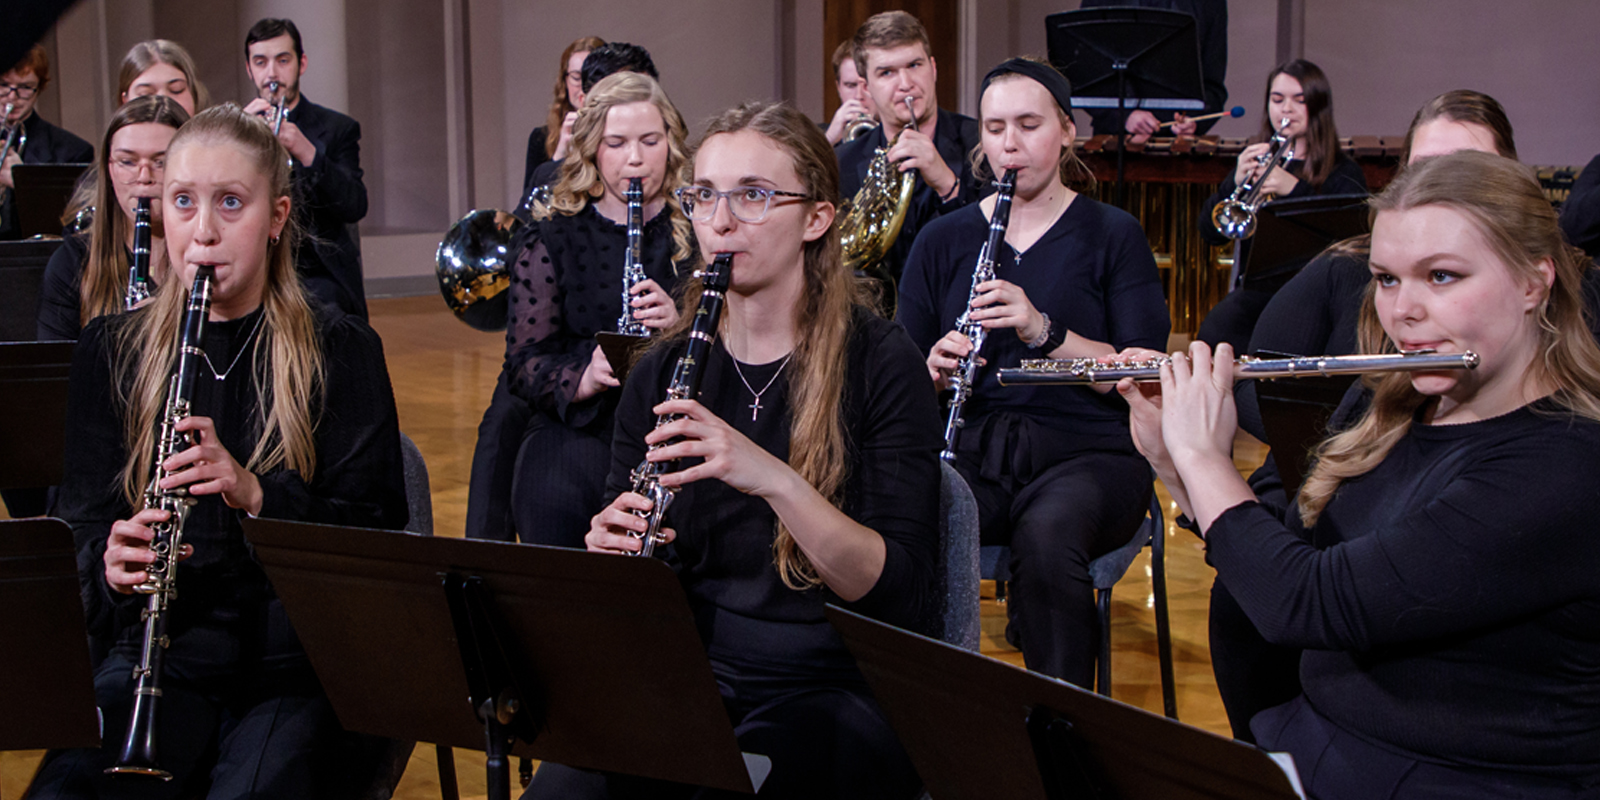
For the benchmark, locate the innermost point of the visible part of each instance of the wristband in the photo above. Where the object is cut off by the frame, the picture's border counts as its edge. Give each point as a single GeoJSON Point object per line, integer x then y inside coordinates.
{"type": "Point", "coordinates": [1044, 334]}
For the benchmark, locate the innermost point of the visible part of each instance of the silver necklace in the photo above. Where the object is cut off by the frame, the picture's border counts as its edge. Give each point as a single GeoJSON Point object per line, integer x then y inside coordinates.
{"type": "Point", "coordinates": [755, 408]}
{"type": "Point", "coordinates": [222, 376]}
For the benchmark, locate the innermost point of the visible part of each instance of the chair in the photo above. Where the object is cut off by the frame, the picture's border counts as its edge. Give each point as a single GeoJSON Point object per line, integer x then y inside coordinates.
{"type": "Point", "coordinates": [419, 501]}
{"type": "Point", "coordinates": [953, 615]}
{"type": "Point", "coordinates": [1105, 571]}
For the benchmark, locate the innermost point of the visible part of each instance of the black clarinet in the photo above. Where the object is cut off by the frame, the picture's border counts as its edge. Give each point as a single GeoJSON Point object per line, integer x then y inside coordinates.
{"type": "Point", "coordinates": [139, 269]}
{"type": "Point", "coordinates": [632, 263]}
{"type": "Point", "coordinates": [685, 385]}
{"type": "Point", "coordinates": [966, 372]}
{"type": "Point", "coordinates": [138, 754]}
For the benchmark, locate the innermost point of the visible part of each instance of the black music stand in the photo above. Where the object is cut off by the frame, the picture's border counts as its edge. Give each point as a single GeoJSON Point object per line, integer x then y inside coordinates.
{"type": "Point", "coordinates": [42, 194]}
{"type": "Point", "coordinates": [1291, 232]}
{"type": "Point", "coordinates": [21, 278]}
{"type": "Point", "coordinates": [1295, 415]}
{"type": "Point", "coordinates": [588, 660]}
{"type": "Point", "coordinates": [33, 381]}
{"type": "Point", "coordinates": [980, 728]}
{"type": "Point", "coordinates": [1120, 54]}
{"type": "Point", "coordinates": [48, 695]}
{"type": "Point", "coordinates": [621, 350]}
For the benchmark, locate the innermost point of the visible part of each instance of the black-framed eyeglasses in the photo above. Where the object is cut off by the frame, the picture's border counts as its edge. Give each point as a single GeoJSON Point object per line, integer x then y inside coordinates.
{"type": "Point", "coordinates": [22, 92]}
{"type": "Point", "coordinates": [746, 203]}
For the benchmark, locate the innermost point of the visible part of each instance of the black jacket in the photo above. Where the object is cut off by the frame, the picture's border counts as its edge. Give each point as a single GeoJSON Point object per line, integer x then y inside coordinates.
{"type": "Point", "coordinates": [331, 199]}
{"type": "Point", "coordinates": [955, 136]}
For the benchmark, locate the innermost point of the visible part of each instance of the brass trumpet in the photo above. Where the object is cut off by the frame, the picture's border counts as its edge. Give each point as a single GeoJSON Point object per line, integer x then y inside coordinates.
{"type": "Point", "coordinates": [859, 127]}
{"type": "Point", "coordinates": [1235, 217]}
{"type": "Point", "coordinates": [1090, 371]}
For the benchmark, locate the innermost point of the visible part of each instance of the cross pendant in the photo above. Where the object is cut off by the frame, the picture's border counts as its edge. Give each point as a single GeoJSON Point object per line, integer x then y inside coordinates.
{"type": "Point", "coordinates": [755, 408]}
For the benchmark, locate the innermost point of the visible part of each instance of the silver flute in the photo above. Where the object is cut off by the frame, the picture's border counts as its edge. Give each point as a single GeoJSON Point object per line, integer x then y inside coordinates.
{"type": "Point", "coordinates": [138, 289]}
{"type": "Point", "coordinates": [1089, 371]}
{"type": "Point", "coordinates": [138, 753]}
{"type": "Point", "coordinates": [966, 371]}
{"type": "Point", "coordinates": [632, 263]}
{"type": "Point", "coordinates": [685, 386]}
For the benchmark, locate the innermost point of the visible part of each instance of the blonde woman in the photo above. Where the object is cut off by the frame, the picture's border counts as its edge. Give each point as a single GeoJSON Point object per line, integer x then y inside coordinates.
{"type": "Point", "coordinates": [292, 418]}
{"type": "Point", "coordinates": [1439, 565]}
{"type": "Point", "coordinates": [567, 286]}
{"type": "Point", "coordinates": [161, 67]}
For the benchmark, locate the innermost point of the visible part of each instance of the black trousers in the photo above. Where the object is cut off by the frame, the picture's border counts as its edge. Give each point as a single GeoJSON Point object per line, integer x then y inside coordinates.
{"type": "Point", "coordinates": [1058, 511]}
{"type": "Point", "coordinates": [1252, 673]}
{"type": "Point", "coordinates": [225, 739]}
{"type": "Point", "coordinates": [494, 465]}
{"type": "Point", "coordinates": [1336, 764]}
{"type": "Point", "coordinates": [560, 481]}
{"type": "Point", "coordinates": [825, 741]}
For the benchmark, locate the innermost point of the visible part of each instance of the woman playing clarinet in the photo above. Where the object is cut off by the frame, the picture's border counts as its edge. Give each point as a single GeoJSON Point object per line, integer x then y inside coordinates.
{"type": "Point", "coordinates": [1053, 469]}
{"type": "Point", "coordinates": [805, 475]}
{"type": "Point", "coordinates": [290, 416]}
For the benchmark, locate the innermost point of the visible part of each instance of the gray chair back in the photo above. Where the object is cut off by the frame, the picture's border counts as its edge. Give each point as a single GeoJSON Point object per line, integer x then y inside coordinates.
{"type": "Point", "coordinates": [953, 616]}
{"type": "Point", "coordinates": [418, 498]}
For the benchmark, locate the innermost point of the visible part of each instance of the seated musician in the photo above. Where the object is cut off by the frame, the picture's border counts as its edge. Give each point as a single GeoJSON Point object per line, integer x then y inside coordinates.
{"type": "Point", "coordinates": [87, 276]}
{"type": "Point", "coordinates": [1299, 93]}
{"type": "Point", "coordinates": [855, 102]}
{"type": "Point", "coordinates": [1053, 469]}
{"type": "Point", "coordinates": [604, 60]}
{"type": "Point", "coordinates": [894, 57]}
{"type": "Point", "coordinates": [36, 141]}
{"type": "Point", "coordinates": [1434, 565]}
{"type": "Point", "coordinates": [292, 417]}
{"type": "Point", "coordinates": [808, 477]}
{"type": "Point", "coordinates": [1316, 313]}
{"type": "Point", "coordinates": [163, 67]}
{"type": "Point", "coordinates": [549, 142]}
{"type": "Point", "coordinates": [567, 285]}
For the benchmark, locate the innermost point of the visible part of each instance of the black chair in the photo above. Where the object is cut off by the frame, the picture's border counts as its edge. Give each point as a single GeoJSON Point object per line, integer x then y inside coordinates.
{"type": "Point", "coordinates": [21, 274]}
{"type": "Point", "coordinates": [1105, 571]}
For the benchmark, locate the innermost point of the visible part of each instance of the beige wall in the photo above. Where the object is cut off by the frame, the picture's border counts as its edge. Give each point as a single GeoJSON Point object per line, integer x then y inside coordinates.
{"type": "Point", "coordinates": [447, 90]}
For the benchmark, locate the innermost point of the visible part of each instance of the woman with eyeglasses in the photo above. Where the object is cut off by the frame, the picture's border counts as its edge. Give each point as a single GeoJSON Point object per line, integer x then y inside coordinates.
{"type": "Point", "coordinates": [87, 276]}
{"type": "Point", "coordinates": [809, 471]}
{"type": "Point", "coordinates": [1052, 468]}
{"type": "Point", "coordinates": [566, 287]}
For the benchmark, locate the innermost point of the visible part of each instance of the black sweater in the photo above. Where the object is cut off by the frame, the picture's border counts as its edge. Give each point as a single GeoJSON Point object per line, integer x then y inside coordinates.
{"type": "Point", "coordinates": [1092, 272]}
{"type": "Point", "coordinates": [1447, 598]}
{"type": "Point", "coordinates": [226, 613]}
{"type": "Point", "coordinates": [61, 292]}
{"type": "Point", "coordinates": [723, 552]}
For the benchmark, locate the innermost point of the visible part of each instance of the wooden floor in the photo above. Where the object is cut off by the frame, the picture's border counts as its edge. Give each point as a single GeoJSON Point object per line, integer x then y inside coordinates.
{"type": "Point", "coordinates": [443, 373]}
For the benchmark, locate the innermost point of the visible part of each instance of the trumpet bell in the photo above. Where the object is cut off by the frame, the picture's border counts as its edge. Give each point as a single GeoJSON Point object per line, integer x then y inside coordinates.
{"type": "Point", "coordinates": [1234, 219]}
{"type": "Point", "coordinates": [474, 270]}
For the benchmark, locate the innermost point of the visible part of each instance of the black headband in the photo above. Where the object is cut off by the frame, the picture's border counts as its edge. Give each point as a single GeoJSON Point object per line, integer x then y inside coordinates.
{"type": "Point", "coordinates": [1047, 76]}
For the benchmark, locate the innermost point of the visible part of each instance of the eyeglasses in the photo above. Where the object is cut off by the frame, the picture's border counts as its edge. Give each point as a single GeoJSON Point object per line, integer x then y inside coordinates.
{"type": "Point", "coordinates": [24, 92]}
{"type": "Point", "coordinates": [127, 170]}
{"type": "Point", "coordinates": [746, 203]}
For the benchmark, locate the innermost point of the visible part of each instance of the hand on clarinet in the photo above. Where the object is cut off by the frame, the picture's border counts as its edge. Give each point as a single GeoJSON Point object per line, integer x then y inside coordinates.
{"type": "Point", "coordinates": [728, 455]}
{"type": "Point", "coordinates": [608, 530]}
{"type": "Point", "coordinates": [597, 377]}
{"type": "Point", "coordinates": [945, 356]}
{"type": "Point", "coordinates": [208, 468]}
{"type": "Point", "coordinates": [1003, 304]}
{"type": "Point", "coordinates": [653, 306]}
{"type": "Point", "coordinates": [128, 550]}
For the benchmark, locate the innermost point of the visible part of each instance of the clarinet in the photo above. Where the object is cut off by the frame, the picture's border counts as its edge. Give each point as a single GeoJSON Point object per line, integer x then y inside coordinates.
{"type": "Point", "coordinates": [685, 385]}
{"type": "Point", "coordinates": [632, 263]}
{"type": "Point", "coordinates": [138, 754]}
{"type": "Point", "coordinates": [966, 372]}
{"type": "Point", "coordinates": [139, 269]}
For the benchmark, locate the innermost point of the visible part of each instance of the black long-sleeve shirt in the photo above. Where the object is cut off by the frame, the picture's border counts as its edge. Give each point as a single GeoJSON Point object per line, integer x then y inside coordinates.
{"type": "Point", "coordinates": [566, 287]}
{"type": "Point", "coordinates": [1092, 272]}
{"type": "Point", "coordinates": [226, 613]}
{"type": "Point", "coordinates": [723, 552]}
{"type": "Point", "coordinates": [1447, 598]}
{"type": "Point", "coordinates": [1211, 26]}
{"type": "Point", "coordinates": [61, 291]}
{"type": "Point", "coordinates": [954, 136]}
